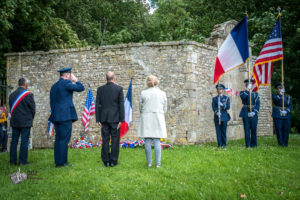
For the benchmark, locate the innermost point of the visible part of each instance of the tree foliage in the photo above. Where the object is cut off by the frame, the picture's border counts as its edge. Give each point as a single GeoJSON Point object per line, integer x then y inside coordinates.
{"type": "Point", "coordinates": [29, 25]}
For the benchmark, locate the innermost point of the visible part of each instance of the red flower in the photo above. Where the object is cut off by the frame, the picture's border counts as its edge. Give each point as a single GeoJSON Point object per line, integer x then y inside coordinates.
{"type": "Point", "coordinates": [82, 138]}
{"type": "Point", "coordinates": [76, 141]}
{"type": "Point", "coordinates": [80, 147]}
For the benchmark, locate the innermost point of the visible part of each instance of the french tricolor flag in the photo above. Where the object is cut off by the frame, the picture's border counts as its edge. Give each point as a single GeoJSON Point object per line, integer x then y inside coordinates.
{"type": "Point", "coordinates": [234, 52]}
{"type": "Point", "coordinates": [128, 111]}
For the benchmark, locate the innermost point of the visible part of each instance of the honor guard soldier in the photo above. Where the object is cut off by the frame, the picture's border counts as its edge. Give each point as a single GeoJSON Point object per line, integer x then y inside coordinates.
{"type": "Point", "coordinates": [250, 115]}
{"type": "Point", "coordinates": [220, 105]}
{"type": "Point", "coordinates": [63, 113]}
{"type": "Point", "coordinates": [281, 115]}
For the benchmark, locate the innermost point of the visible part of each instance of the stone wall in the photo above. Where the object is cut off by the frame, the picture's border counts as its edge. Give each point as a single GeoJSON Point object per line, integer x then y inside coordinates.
{"type": "Point", "coordinates": [185, 71]}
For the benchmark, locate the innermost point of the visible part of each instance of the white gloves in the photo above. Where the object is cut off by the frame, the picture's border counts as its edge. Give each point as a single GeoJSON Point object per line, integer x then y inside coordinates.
{"type": "Point", "coordinates": [283, 112]}
{"type": "Point", "coordinates": [251, 114]}
{"type": "Point", "coordinates": [218, 114]}
{"type": "Point", "coordinates": [221, 104]}
{"type": "Point", "coordinates": [249, 86]}
{"type": "Point", "coordinates": [282, 90]}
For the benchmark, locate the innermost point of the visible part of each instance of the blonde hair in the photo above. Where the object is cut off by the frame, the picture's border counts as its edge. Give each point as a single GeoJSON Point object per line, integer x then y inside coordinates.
{"type": "Point", "coordinates": [152, 81]}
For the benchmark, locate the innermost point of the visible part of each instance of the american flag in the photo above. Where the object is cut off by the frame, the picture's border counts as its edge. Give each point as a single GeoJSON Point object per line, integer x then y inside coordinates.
{"type": "Point", "coordinates": [272, 51]}
{"type": "Point", "coordinates": [89, 109]}
{"type": "Point", "coordinates": [263, 74]}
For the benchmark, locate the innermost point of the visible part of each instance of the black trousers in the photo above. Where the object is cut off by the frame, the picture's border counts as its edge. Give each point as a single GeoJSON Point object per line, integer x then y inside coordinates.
{"type": "Point", "coordinates": [282, 127]}
{"type": "Point", "coordinates": [23, 155]}
{"type": "Point", "coordinates": [250, 128]}
{"type": "Point", "coordinates": [63, 133]}
{"type": "Point", "coordinates": [221, 133]}
{"type": "Point", "coordinates": [3, 137]}
{"type": "Point", "coordinates": [109, 132]}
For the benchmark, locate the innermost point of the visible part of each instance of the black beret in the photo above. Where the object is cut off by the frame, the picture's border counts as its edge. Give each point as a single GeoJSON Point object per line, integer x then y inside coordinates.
{"type": "Point", "coordinates": [220, 86]}
{"type": "Point", "coordinates": [65, 70]}
{"type": "Point", "coordinates": [278, 85]}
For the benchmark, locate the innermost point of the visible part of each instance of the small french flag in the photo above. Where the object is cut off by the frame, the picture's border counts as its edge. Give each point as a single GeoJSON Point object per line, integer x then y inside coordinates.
{"type": "Point", "coordinates": [50, 127]}
{"type": "Point", "coordinates": [234, 52]}
{"type": "Point", "coordinates": [128, 111]}
{"type": "Point", "coordinates": [227, 90]}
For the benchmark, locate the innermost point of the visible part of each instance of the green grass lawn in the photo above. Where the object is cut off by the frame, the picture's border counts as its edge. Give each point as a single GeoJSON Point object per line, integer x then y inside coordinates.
{"type": "Point", "coordinates": [187, 172]}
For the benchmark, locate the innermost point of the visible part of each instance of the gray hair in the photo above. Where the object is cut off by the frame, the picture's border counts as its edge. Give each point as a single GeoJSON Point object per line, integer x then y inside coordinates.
{"type": "Point", "coordinates": [22, 81]}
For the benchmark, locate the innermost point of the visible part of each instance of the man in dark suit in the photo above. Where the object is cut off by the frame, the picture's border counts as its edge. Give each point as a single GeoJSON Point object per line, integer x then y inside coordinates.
{"type": "Point", "coordinates": [250, 115]}
{"type": "Point", "coordinates": [22, 109]}
{"type": "Point", "coordinates": [220, 105]}
{"type": "Point", "coordinates": [109, 116]}
{"type": "Point", "coordinates": [63, 113]}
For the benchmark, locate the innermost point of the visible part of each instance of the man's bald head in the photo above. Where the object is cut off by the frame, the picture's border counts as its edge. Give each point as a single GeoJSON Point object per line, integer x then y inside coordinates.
{"type": "Point", "coordinates": [110, 77]}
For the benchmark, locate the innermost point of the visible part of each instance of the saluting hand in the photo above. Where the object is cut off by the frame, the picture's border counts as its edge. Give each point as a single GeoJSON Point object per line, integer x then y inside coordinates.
{"type": "Point", "coordinates": [73, 78]}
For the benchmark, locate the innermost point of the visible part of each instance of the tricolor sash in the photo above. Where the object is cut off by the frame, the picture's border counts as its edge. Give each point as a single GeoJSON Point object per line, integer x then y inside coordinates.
{"type": "Point", "coordinates": [19, 98]}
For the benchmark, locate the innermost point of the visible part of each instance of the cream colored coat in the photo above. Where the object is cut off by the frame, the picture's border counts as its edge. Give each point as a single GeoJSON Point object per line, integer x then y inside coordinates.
{"type": "Point", "coordinates": [153, 106]}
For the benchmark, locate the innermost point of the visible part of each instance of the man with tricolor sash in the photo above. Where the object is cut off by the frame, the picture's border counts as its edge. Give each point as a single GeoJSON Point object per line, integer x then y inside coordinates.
{"type": "Point", "coordinates": [22, 111]}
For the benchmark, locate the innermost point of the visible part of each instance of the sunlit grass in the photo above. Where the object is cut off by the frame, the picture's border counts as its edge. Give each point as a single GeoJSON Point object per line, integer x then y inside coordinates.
{"type": "Point", "coordinates": [187, 172]}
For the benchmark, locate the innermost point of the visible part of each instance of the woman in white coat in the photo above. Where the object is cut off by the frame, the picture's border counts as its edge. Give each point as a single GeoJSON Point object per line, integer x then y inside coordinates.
{"type": "Point", "coordinates": [152, 125]}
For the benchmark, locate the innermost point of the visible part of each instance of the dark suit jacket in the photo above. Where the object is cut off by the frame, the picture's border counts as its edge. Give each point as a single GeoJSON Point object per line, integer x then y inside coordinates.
{"type": "Point", "coordinates": [24, 112]}
{"type": "Point", "coordinates": [61, 100]}
{"type": "Point", "coordinates": [110, 103]}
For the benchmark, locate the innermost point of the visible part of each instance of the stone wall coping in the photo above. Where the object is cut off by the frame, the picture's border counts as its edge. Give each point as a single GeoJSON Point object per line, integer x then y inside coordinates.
{"type": "Point", "coordinates": [118, 46]}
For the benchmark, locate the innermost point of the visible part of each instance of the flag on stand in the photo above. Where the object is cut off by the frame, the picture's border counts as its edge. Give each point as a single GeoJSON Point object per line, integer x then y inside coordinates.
{"type": "Point", "coordinates": [263, 73]}
{"type": "Point", "coordinates": [128, 111]}
{"type": "Point", "coordinates": [272, 51]}
{"type": "Point", "coordinates": [227, 90]}
{"type": "Point", "coordinates": [234, 52]}
{"type": "Point", "coordinates": [50, 126]}
{"type": "Point", "coordinates": [89, 109]}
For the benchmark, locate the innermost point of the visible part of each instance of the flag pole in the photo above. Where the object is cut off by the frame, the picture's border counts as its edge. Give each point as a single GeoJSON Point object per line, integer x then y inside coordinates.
{"type": "Point", "coordinates": [282, 69]}
{"type": "Point", "coordinates": [282, 80]}
{"type": "Point", "coordinates": [249, 72]}
{"type": "Point", "coordinates": [219, 107]}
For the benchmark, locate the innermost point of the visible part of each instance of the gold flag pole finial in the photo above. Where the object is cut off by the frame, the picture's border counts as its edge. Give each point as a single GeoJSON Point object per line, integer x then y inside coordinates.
{"type": "Point", "coordinates": [279, 11]}
{"type": "Point", "coordinates": [246, 12]}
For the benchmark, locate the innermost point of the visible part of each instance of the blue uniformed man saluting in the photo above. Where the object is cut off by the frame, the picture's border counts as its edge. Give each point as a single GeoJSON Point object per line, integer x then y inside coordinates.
{"type": "Point", "coordinates": [63, 113]}
{"type": "Point", "coordinates": [220, 105]}
{"type": "Point", "coordinates": [281, 116]}
{"type": "Point", "coordinates": [250, 115]}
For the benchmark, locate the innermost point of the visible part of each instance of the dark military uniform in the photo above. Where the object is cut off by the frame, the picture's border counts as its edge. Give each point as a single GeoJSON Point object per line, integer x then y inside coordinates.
{"type": "Point", "coordinates": [63, 114]}
{"type": "Point", "coordinates": [221, 128]}
{"type": "Point", "coordinates": [250, 122]}
{"type": "Point", "coordinates": [282, 119]}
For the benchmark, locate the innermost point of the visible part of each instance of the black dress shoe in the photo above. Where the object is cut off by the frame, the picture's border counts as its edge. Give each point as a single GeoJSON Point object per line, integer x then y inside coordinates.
{"type": "Point", "coordinates": [113, 164]}
{"type": "Point", "coordinates": [12, 163]}
{"type": "Point", "coordinates": [106, 164]}
{"type": "Point", "coordinates": [66, 165]}
{"type": "Point", "coordinates": [26, 163]}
